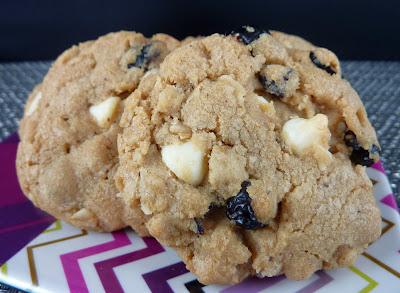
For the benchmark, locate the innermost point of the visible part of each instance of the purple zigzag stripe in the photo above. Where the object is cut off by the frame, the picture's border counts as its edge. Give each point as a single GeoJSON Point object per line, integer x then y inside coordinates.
{"type": "Point", "coordinates": [26, 212]}
{"type": "Point", "coordinates": [11, 139]}
{"type": "Point", "coordinates": [11, 192]}
{"type": "Point", "coordinates": [70, 263]}
{"type": "Point", "coordinates": [105, 268]}
{"type": "Point", "coordinates": [254, 285]}
{"type": "Point", "coordinates": [16, 231]}
{"type": "Point", "coordinates": [14, 241]}
{"type": "Point", "coordinates": [157, 280]}
{"type": "Point", "coordinates": [323, 279]}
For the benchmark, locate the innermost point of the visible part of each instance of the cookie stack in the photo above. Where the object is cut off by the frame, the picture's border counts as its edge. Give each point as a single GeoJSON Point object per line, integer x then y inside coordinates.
{"type": "Point", "coordinates": [245, 153]}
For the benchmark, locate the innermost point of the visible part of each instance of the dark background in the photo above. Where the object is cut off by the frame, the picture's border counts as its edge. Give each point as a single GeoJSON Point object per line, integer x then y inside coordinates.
{"type": "Point", "coordinates": [354, 30]}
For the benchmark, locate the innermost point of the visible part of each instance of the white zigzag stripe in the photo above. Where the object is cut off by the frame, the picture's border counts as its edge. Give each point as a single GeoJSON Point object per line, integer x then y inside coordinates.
{"type": "Point", "coordinates": [131, 273]}
{"type": "Point", "coordinates": [177, 284]}
{"type": "Point", "coordinates": [18, 266]}
{"type": "Point", "coordinates": [87, 264]}
{"type": "Point", "coordinates": [51, 275]}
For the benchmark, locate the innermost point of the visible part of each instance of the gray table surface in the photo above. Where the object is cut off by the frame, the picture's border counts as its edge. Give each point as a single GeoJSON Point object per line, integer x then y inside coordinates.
{"type": "Point", "coordinates": [378, 84]}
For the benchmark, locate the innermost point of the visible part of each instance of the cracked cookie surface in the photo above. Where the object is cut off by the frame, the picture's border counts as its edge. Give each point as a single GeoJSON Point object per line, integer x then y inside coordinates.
{"type": "Point", "coordinates": [235, 152]}
{"type": "Point", "coordinates": [67, 157]}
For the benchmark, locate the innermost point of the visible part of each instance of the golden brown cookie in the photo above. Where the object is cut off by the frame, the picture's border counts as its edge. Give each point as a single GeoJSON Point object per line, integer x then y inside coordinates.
{"type": "Point", "coordinates": [67, 157]}
{"type": "Point", "coordinates": [239, 153]}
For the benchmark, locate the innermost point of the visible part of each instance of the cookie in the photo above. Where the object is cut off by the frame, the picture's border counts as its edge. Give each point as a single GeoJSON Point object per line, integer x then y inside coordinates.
{"type": "Point", "coordinates": [67, 157]}
{"type": "Point", "coordinates": [241, 153]}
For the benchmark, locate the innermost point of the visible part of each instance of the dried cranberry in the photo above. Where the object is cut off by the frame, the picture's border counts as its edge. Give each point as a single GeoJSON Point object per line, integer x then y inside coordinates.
{"type": "Point", "coordinates": [200, 227]}
{"type": "Point", "coordinates": [145, 54]}
{"type": "Point", "coordinates": [318, 63]}
{"type": "Point", "coordinates": [239, 209]}
{"type": "Point", "coordinates": [248, 34]}
{"type": "Point", "coordinates": [279, 80]}
{"type": "Point", "coordinates": [271, 86]}
{"type": "Point", "coordinates": [359, 155]}
{"type": "Point", "coordinates": [276, 87]}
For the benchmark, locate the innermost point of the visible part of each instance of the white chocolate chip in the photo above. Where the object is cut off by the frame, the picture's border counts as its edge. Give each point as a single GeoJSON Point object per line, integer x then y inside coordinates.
{"type": "Point", "coordinates": [302, 135]}
{"type": "Point", "coordinates": [30, 196]}
{"type": "Point", "coordinates": [262, 102]}
{"type": "Point", "coordinates": [151, 71]}
{"type": "Point", "coordinates": [82, 215]}
{"type": "Point", "coordinates": [105, 112]}
{"type": "Point", "coordinates": [35, 104]}
{"type": "Point", "coordinates": [86, 218]}
{"type": "Point", "coordinates": [145, 208]}
{"type": "Point", "coordinates": [186, 161]}
{"type": "Point", "coordinates": [250, 29]}
{"type": "Point", "coordinates": [265, 106]}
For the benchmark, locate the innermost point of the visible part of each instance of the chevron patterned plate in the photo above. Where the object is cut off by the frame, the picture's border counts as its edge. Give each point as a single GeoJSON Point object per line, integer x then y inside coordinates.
{"type": "Point", "coordinates": [41, 254]}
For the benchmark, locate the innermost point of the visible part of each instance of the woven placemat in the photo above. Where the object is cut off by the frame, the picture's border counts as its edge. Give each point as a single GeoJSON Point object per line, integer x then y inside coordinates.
{"type": "Point", "coordinates": [378, 84]}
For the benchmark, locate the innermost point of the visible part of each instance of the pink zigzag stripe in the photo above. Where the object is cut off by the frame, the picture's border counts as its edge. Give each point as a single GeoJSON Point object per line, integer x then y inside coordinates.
{"type": "Point", "coordinates": [25, 225]}
{"type": "Point", "coordinates": [105, 268]}
{"type": "Point", "coordinates": [378, 166]}
{"type": "Point", "coordinates": [72, 271]}
{"type": "Point", "coordinates": [390, 201]}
